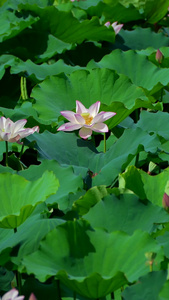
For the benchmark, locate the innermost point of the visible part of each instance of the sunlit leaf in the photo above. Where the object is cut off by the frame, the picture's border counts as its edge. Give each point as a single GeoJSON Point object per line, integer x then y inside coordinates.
{"type": "Point", "coordinates": [19, 197]}
{"type": "Point", "coordinates": [125, 213]}
{"type": "Point", "coordinates": [144, 185]}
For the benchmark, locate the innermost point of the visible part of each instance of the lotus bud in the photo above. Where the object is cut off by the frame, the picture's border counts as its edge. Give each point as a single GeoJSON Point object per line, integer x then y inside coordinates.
{"type": "Point", "coordinates": [166, 201]}
{"type": "Point", "coordinates": [32, 297]}
{"type": "Point", "coordinates": [159, 56]}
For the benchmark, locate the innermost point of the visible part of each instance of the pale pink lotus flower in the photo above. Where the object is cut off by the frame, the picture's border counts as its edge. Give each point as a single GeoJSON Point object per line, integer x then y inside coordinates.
{"type": "Point", "coordinates": [107, 24]}
{"type": "Point", "coordinates": [14, 131]}
{"type": "Point", "coordinates": [87, 119]}
{"type": "Point", "coordinates": [116, 27]}
{"type": "Point", "coordinates": [12, 295]}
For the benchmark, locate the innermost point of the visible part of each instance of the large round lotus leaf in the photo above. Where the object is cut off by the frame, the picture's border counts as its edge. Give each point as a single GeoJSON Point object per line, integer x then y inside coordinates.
{"type": "Point", "coordinates": [163, 295]}
{"type": "Point", "coordinates": [67, 149]}
{"type": "Point", "coordinates": [144, 185]}
{"type": "Point", "coordinates": [141, 290]}
{"type": "Point", "coordinates": [27, 237]}
{"type": "Point", "coordinates": [64, 26]}
{"type": "Point", "coordinates": [68, 181]}
{"type": "Point", "coordinates": [5, 62]}
{"type": "Point", "coordinates": [106, 166]}
{"type": "Point", "coordinates": [142, 38]}
{"type": "Point", "coordinates": [90, 198]}
{"type": "Point", "coordinates": [154, 122]}
{"type": "Point", "coordinates": [11, 25]}
{"type": "Point", "coordinates": [116, 93]}
{"type": "Point", "coordinates": [19, 197]}
{"type": "Point", "coordinates": [110, 214]}
{"type": "Point", "coordinates": [137, 67]}
{"type": "Point", "coordinates": [121, 153]}
{"type": "Point", "coordinates": [82, 257]}
{"type": "Point", "coordinates": [40, 72]}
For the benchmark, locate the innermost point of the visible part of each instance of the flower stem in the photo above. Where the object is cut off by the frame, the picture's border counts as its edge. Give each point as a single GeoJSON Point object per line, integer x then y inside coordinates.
{"type": "Point", "coordinates": [104, 142]}
{"type": "Point", "coordinates": [24, 94]}
{"type": "Point", "coordinates": [6, 158]}
{"type": "Point", "coordinates": [58, 286]}
{"type": "Point", "coordinates": [161, 99]}
{"type": "Point", "coordinates": [151, 266]}
{"type": "Point", "coordinates": [137, 160]}
{"type": "Point", "coordinates": [18, 275]}
{"type": "Point", "coordinates": [21, 151]}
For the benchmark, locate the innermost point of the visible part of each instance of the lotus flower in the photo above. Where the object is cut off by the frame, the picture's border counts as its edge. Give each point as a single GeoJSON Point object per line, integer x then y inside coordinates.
{"type": "Point", "coordinates": [87, 119]}
{"type": "Point", "coordinates": [116, 27]}
{"type": "Point", "coordinates": [14, 131]}
{"type": "Point", "coordinates": [12, 295]}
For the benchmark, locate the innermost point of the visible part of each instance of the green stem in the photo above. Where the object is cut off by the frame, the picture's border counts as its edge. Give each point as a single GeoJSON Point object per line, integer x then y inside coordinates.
{"type": "Point", "coordinates": [58, 286]}
{"type": "Point", "coordinates": [24, 94]}
{"type": "Point", "coordinates": [74, 295]}
{"type": "Point", "coordinates": [161, 95]}
{"type": "Point", "coordinates": [18, 275]}
{"type": "Point", "coordinates": [104, 142]}
{"type": "Point", "coordinates": [6, 153]}
{"type": "Point", "coordinates": [137, 111]}
{"type": "Point", "coordinates": [21, 151]}
{"type": "Point", "coordinates": [117, 294]}
{"type": "Point", "coordinates": [137, 160]}
{"type": "Point", "coordinates": [151, 266]}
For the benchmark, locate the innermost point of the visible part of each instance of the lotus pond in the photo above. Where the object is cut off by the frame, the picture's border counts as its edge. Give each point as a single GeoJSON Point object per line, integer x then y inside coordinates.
{"type": "Point", "coordinates": [84, 149]}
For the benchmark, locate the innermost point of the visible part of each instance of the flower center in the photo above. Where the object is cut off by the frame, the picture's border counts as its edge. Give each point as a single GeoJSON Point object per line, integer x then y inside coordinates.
{"type": "Point", "coordinates": [88, 118]}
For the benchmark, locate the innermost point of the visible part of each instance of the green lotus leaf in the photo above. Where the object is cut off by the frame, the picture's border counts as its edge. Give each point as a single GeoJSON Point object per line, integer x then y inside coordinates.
{"type": "Point", "coordinates": [144, 185]}
{"type": "Point", "coordinates": [19, 197]}
{"type": "Point", "coordinates": [40, 72]}
{"type": "Point", "coordinates": [116, 10]}
{"type": "Point", "coordinates": [70, 151]}
{"type": "Point", "coordinates": [116, 93]}
{"type": "Point", "coordinates": [28, 236]}
{"type": "Point", "coordinates": [163, 295]}
{"type": "Point", "coordinates": [154, 122]}
{"type": "Point", "coordinates": [11, 25]}
{"type": "Point", "coordinates": [142, 287]}
{"type": "Point", "coordinates": [153, 11]}
{"type": "Point", "coordinates": [68, 181]}
{"type": "Point", "coordinates": [5, 62]}
{"type": "Point", "coordinates": [110, 214]}
{"type": "Point", "coordinates": [142, 38]}
{"type": "Point", "coordinates": [79, 261]}
{"type": "Point", "coordinates": [121, 153]}
{"type": "Point", "coordinates": [91, 197]}
{"type": "Point", "coordinates": [137, 67]}
{"type": "Point", "coordinates": [64, 26]}
{"type": "Point", "coordinates": [5, 279]}
{"type": "Point", "coordinates": [104, 167]}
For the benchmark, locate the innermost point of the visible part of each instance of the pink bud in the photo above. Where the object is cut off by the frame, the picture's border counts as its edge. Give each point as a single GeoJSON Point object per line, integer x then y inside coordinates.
{"type": "Point", "coordinates": [165, 201]}
{"type": "Point", "coordinates": [32, 297]}
{"type": "Point", "coordinates": [159, 56]}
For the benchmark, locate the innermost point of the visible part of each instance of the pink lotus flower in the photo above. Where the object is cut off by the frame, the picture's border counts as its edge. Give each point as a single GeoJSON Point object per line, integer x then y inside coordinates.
{"type": "Point", "coordinates": [87, 119]}
{"type": "Point", "coordinates": [116, 27]}
{"type": "Point", "coordinates": [12, 295]}
{"type": "Point", "coordinates": [14, 131]}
